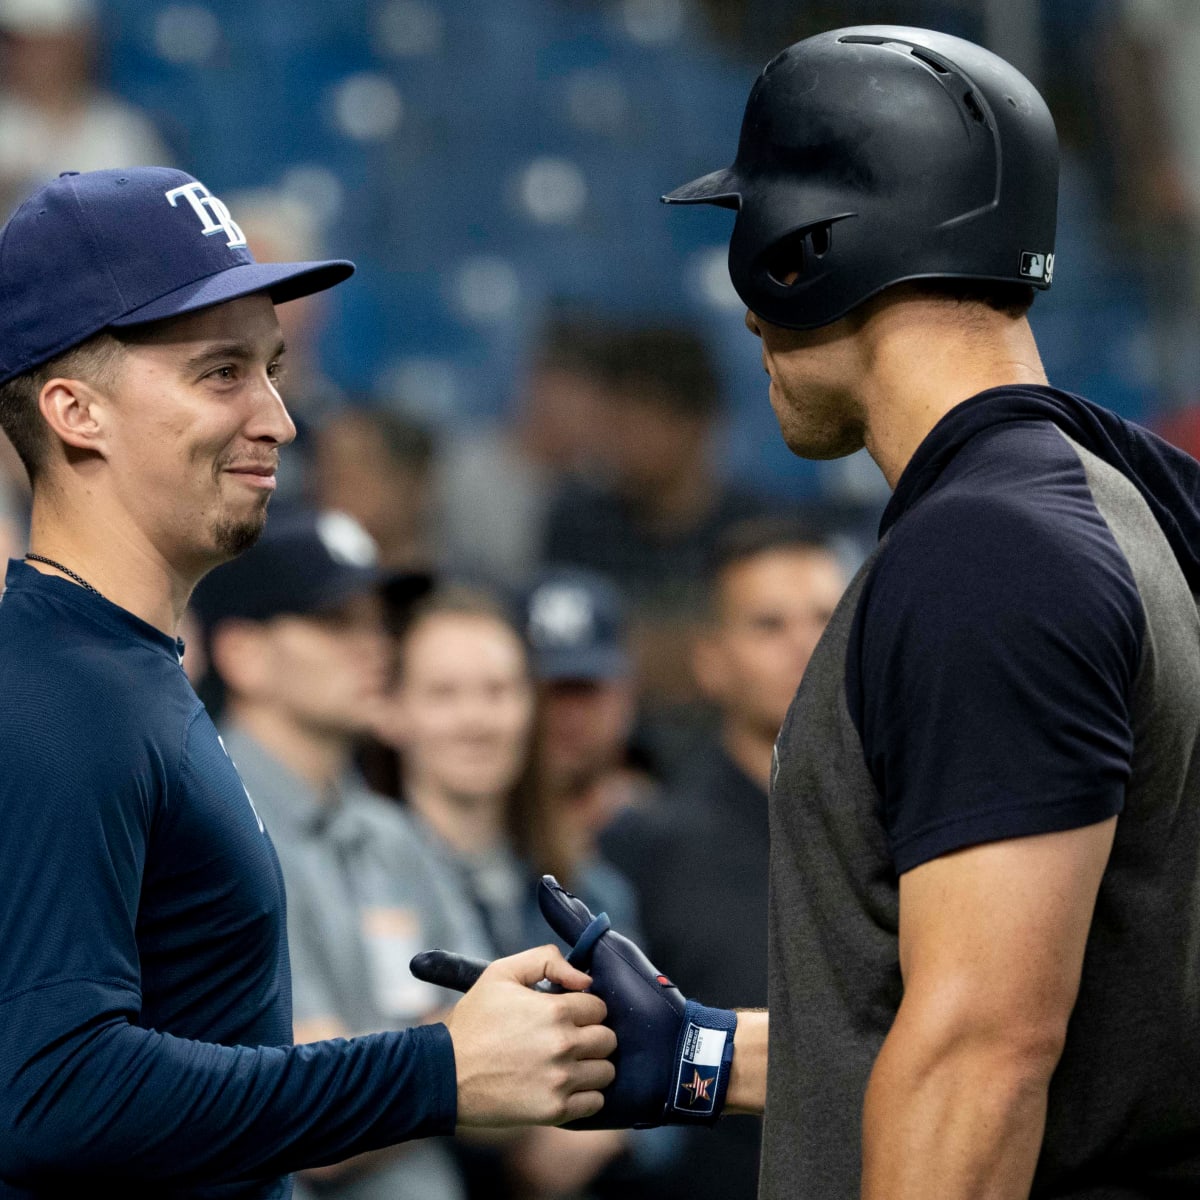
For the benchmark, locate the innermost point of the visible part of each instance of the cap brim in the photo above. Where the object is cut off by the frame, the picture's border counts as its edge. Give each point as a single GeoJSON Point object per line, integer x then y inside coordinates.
{"type": "Point", "coordinates": [403, 589]}
{"type": "Point", "coordinates": [719, 187]}
{"type": "Point", "coordinates": [347, 583]}
{"type": "Point", "coordinates": [597, 664]}
{"type": "Point", "coordinates": [282, 281]}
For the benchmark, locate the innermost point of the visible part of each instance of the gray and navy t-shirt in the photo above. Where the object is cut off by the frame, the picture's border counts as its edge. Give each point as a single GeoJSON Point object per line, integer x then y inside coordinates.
{"type": "Point", "coordinates": [1020, 655]}
{"type": "Point", "coordinates": [145, 998]}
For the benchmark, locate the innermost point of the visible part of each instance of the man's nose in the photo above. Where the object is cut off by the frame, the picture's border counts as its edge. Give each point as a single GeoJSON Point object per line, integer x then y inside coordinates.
{"type": "Point", "coordinates": [271, 421]}
{"type": "Point", "coordinates": [752, 324]}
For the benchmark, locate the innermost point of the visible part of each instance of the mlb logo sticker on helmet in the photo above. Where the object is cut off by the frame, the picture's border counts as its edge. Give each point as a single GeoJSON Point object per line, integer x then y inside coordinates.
{"type": "Point", "coordinates": [1037, 266]}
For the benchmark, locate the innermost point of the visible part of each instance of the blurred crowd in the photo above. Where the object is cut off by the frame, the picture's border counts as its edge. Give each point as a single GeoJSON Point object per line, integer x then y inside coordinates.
{"type": "Point", "coordinates": [423, 747]}
{"type": "Point", "coordinates": [563, 641]}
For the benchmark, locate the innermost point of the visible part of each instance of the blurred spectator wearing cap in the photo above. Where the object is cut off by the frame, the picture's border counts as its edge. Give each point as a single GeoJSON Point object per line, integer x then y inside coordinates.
{"type": "Point", "coordinates": [494, 486]}
{"type": "Point", "coordinates": [376, 465]}
{"type": "Point", "coordinates": [651, 522]}
{"type": "Point", "coordinates": [462, 717]}
{"type": "Point", "coordinates": [296, 639]}
{"type": "Point", "coordinates": [705, 849]}
{"type": "Point", "coordinates": [575, 627]}
{"type": "Point", "coordinates": [53, 115]}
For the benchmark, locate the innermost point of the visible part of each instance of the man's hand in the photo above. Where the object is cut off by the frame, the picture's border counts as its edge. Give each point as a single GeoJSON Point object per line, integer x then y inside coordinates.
{"type": "Point", "coordinates": [525, 1057]}
{"type": "Point", "coordinates": [674, 1056]}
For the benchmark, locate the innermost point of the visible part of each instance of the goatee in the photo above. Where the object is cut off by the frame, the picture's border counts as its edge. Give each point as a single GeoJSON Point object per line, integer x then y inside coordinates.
{"type": "Point", "coordinates": [236, 537]}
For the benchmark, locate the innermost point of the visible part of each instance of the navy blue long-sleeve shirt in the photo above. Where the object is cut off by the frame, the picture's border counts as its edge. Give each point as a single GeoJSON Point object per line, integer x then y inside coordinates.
{"type": "Point", "coordinates": [145, 999]}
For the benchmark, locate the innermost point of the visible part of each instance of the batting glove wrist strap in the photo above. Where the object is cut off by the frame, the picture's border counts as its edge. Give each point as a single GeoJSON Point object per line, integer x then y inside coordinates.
{"type": "Point", "coordinates": [703, 1061]}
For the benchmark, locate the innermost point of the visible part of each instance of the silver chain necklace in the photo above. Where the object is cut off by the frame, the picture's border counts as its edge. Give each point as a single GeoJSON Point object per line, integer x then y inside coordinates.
{"type": "Point", "coordinates": [79, 579]}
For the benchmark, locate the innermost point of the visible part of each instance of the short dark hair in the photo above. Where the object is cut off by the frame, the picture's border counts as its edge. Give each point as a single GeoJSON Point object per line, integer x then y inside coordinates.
{"type": "Point", "coordinates": [20, 416]}
{"type": "Point", "coordinates": [1012, 299]}
{"type": "Point", "coordinates": [670, 367]}
{"type": "Point", "coordinates": [458, 599]}
{"type": "Point", "coordinates": [409, 444]}
{"type": "Point", "coordinates": [748, 538]}
{"type": "Point", "coordinates": [574, 340]}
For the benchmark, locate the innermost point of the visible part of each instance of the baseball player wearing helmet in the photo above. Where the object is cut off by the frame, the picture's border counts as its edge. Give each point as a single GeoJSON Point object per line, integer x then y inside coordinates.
{"type": "Point", "coordinates": [144, 985]}
{"type": "Point", "coordinates": [985, 805]}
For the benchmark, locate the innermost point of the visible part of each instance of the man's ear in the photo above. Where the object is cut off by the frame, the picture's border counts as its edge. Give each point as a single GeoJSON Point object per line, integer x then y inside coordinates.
{"type": "Point", "coordinates": [708, 664]}
{"type": "Point", "coordinates": [77, 414]}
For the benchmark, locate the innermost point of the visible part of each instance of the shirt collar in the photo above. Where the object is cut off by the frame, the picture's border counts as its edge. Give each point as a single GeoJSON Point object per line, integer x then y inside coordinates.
{"type": "Point", "coordinates": [22, 578]}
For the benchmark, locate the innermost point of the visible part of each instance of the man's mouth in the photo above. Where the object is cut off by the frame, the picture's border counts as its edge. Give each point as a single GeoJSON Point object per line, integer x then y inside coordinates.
{"type": "Point", "coordinates": [259, 475]}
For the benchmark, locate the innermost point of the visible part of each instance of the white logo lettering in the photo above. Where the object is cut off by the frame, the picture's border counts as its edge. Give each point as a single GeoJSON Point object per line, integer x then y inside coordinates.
{"type": "Point", "coordinates": [214, 216]}
{"type": "Point", "coordinates": [261, 827]}
{"type": "Point", "coordinates": [346, 541]}
{"type": "Point", "coordinates": [561, 614]}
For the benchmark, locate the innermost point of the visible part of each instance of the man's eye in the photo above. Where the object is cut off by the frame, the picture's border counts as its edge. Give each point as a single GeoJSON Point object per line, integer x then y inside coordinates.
{"type": "Point", "coordinates": [766, 625]}
{"type": "Point", "coordinates": [223, 373]}
{"type": "Point", "coordinates": [275, 371]}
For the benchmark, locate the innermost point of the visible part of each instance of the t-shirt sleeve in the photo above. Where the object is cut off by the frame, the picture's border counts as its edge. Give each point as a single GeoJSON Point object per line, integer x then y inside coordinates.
{"type": "Point", "coordinates": [989, 673]}
{"type": "Point", "coordinates": [85, 1092]}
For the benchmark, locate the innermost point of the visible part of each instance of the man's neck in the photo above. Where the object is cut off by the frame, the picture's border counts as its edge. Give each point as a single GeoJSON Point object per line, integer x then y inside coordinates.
{"type": "Point", "coordinates": [320, 758]}
{"type": "Point", "coordinates": [925, 361]}
{"type": "Point", "coordinates": [679, 503]}
{"type": "Point", "coordinates": [111, 553]}
{"type": "Point", "coordinates": [469, 825]}
{"type": "Point", "coordinates": [750, 749]}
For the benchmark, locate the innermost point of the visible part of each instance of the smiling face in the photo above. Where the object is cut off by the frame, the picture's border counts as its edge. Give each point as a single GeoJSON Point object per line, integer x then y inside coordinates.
{"type": "Point", "coordinates": [771, 610]}
{"type": "Point", "coordinates": [327, 671]}
{"type": "Point", "coordinates": [191, 425]}
{"type": "Point", "coordinates": [464, 707]}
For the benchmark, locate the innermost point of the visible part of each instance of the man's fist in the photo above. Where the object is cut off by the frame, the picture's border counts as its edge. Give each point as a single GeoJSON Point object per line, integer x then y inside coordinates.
{"type": "Point", "coordinates": [673, 1056]}
{"type": "Point", "coordinates": [528, 1058]}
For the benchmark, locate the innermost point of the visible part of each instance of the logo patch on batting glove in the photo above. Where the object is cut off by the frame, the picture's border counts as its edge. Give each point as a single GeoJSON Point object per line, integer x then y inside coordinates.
{"type": "Point", "coordinates": [696, 1085]}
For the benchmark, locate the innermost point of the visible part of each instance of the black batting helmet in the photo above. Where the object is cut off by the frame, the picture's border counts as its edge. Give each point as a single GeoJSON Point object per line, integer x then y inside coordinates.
{"type": "Point", "coordinates": [878, 154]}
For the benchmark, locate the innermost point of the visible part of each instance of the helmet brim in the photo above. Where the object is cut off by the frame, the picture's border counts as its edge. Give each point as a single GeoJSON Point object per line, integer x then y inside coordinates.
{"type": "Point", "coordinates": [718, 187]}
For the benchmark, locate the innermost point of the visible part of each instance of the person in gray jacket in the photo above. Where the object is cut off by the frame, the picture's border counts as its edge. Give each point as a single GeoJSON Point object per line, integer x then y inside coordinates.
{"type": "Point", "coordinates": [297, 643]}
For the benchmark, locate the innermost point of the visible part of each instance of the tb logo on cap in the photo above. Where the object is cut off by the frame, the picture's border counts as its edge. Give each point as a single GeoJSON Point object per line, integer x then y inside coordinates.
{"type": "Point", "coordinates": [214, 216]}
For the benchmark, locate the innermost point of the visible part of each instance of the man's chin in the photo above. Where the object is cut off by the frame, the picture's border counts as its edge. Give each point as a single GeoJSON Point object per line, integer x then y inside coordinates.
{"type": "Point", "coordinates": [235, 535]}
{"type": "Point", "coordinates": [820, 445]}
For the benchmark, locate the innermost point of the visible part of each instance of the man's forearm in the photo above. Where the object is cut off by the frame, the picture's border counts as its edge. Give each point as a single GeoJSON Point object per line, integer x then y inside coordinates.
{"type": "Point", "coordinates": [748, 1075]}
{"type": "Point", "coordinates": [957, 1120]}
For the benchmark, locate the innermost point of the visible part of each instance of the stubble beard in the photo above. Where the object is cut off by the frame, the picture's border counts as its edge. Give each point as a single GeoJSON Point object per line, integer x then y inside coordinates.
{"type": "Point", "coordinates": [235, 536]}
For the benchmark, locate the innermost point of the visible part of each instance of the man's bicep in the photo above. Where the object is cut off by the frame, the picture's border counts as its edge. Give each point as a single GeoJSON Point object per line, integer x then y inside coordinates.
{"type": "Point", "coordinates": [994, 934]}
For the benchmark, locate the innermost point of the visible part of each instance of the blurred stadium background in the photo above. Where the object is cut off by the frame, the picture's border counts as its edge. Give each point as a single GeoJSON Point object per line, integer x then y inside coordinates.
{"type": "Point", "coordinates": [482, 162]}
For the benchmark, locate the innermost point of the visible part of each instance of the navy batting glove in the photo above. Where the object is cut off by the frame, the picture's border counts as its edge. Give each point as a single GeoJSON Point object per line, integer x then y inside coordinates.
{"type": "Point", "coordinates": [673, 1055]}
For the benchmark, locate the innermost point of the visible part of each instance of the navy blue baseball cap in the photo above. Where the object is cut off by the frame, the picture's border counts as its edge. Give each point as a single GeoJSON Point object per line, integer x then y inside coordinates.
{"type": "Point", "coordinates": [574, 624]}
{"type": "Point", "coordinates": [307, 562]}
{"type": "Point", "coordinates": [124, 247]}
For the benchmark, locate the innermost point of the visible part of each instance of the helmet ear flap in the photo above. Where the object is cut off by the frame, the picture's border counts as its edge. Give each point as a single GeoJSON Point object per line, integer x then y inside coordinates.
{"type": "Point", "coordinates": [788, 259]}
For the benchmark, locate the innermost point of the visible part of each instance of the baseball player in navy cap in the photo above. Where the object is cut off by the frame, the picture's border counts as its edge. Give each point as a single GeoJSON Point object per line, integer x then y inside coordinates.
{"type": "Point", "coordinates": [144, 983]}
